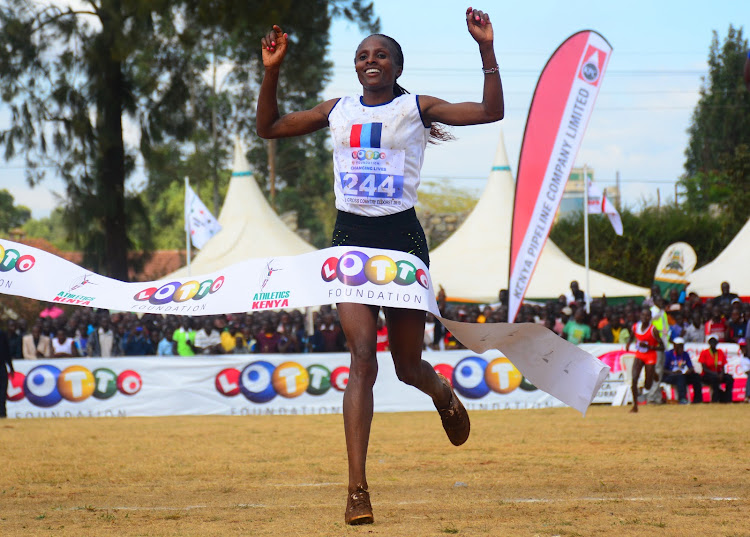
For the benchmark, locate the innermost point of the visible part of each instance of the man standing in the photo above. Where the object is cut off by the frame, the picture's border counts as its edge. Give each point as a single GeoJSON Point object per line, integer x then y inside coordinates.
{"type": "Point", "coordinates": [36, 345]}
{"type": "Point", "coordinates": [208, 339]}
{"type": "Point", "coordinates": [745, 366]}
{"type": "Point", "coordinates": [6, 365]}
{"type": "Point", "coordinates": [661, 323]}
{"type": "Point", "coordinates": [102, 340]}
{"type": "Point", "coordinates": [714, 361]}
{"type": "Point", "coordinates": [678, 371]}
{"type": "Point", "coordinates": [725, 298]}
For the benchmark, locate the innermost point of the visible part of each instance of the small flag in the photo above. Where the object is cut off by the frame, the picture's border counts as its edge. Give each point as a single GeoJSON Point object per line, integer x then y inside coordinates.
{"type": "Point", "coordinates": [600, 204]}
{"type": "Point", "coordinates": [199, 221]}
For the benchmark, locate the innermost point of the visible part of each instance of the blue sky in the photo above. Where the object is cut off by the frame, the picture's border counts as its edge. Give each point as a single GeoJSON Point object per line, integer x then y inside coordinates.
{"type": "Point", "coordinates": [637, 128]}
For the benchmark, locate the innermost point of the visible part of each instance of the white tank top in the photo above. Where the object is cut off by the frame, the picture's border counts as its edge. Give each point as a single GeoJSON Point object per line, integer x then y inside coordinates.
{"type": "Point", "coordinates": [377, 154]}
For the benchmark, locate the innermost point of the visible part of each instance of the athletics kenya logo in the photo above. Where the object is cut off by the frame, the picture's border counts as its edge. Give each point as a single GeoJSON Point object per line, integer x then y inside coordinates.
{"type": "Point", "coordinates": [13, 259]}
{"type": "Point", "coordinates": [355, 268]}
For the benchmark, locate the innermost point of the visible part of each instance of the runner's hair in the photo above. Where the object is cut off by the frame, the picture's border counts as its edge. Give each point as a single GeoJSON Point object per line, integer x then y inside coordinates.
{"type": "Point", "coordinates": [438, 132]}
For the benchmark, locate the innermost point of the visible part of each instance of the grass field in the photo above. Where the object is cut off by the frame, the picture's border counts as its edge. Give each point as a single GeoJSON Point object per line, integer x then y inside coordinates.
{"type": "Point", "coordinates": [670, 470]}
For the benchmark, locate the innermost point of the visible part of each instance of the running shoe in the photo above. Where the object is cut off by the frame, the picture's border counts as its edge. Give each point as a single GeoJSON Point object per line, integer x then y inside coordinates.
{"type": "Point", "coordinates": [358, 508]}
{"type": "Point", "coordinates": [455, 418]}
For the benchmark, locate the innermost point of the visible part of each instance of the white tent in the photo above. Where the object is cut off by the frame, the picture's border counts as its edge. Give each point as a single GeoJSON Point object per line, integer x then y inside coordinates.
{"type": "Point", "coordinates": [250, 227]}
{"type": "Point", "coordinates": [472, 264]}
{"type": "Point", "coordinates": [731, 266]}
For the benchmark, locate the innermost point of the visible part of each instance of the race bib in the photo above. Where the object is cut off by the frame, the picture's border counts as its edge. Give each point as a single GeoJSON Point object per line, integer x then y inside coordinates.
{"type": "Point", "coordinates": [371, 176]}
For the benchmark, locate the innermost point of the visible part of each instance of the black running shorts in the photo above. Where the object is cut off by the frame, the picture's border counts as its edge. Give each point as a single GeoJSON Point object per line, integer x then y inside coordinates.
{"type": "Point", "coordinates": [401, 231]}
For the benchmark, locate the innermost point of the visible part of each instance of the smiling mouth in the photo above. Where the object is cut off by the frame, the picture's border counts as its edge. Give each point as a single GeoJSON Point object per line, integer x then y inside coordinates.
{"type": "Point", "coordinates": [372, 71]}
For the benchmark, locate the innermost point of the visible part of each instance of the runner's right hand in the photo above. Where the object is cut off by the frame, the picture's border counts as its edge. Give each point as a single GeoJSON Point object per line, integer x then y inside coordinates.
{"type": "Point", "coordinates": [273, 46]}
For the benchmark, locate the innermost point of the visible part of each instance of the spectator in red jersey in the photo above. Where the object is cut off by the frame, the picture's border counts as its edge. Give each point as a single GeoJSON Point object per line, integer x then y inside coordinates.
{"type": "Point", "coordinates": [381, 344]}
{"type": "Point", "coordinates": [268, 339]}
{"type": "Point", "coordinates": [331, 334]}
{"type": "Point", "coordinates": [716, 325]}
{"type": "Point", "coordinates": [714, 362]}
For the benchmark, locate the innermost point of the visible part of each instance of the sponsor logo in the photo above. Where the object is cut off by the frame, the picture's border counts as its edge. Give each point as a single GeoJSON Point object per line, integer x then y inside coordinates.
{"type": "Point", "coordinates": [368, 154]}
{"type": "Point", "coordinates": [275, 300]}
{"type": "Point", "coordinates": [69, 298]}
{"type": "Point", "coordinates": [474, 377]}
{"type": "Point", "coordinates": [13, 259]}
{"type": "Point", "coordinates": [80, 282]}
{"type": "Point", "coordinates": [46, 385]}
{"type": "Point", "coordinates": [179, 292]}
{"type": "Point", "coordinates": [591, 69]}
{"type": "Point", "coordinates": [264, 300]}
{"type": "Point", "coordinates": [261, 381]}
{"type": "Point", "coordinates": [355, 268]}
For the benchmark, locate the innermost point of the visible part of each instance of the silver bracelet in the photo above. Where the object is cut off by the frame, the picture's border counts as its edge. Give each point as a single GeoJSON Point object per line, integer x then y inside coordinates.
{"type": "Point", "coordinates": [491, 70]}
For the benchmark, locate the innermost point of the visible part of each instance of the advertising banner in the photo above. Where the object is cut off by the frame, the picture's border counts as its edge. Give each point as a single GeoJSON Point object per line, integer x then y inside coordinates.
{"type": "Point", "coordinates": [250, 385]}
{"type": "Point", "coordinates": [275, 384]}
{"type": "Point", "coordinates": [675, 266]}
{"type": "Point", "coordinates": [341, 274]}
{"type": "Point", "coordinates": [560, 110]}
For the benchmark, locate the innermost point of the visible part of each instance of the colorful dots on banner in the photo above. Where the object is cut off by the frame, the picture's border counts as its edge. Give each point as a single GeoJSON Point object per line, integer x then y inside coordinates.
{"type": "Point", "coordinates": [261, 381]}
{"type": "Point", "coordinates": [355, 268]}
{"type": "Point", "coordinates": [12, 259]}
{"type": "Point", "coordinates": [290, 379]}
{"type": "Point", "coordinates": [46, 385]}
{"type": "Point", "coordinates": [473, 377]}
{"type": "Point", "coordinates": [179, 292]}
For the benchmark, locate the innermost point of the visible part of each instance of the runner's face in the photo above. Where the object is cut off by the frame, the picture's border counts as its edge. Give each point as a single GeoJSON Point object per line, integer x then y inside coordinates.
{"type": "Point", "coordinates": [375, 65]}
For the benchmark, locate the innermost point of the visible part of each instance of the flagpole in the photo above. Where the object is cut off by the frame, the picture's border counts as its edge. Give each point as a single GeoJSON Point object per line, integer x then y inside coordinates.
{"type": "Point", "coordinates": [587, 290]}
{"type": "Point", "coordinates": [187, 224]}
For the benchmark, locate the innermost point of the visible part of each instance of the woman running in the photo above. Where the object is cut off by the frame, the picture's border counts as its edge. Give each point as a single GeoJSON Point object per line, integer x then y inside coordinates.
{"type": "Point", "coordinates": [648, 342]}
{"type": "Point", "coordinates": [377, 210]}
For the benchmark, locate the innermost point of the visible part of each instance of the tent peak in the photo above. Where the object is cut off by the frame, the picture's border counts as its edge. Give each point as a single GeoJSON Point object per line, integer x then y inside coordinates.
{"type": "Point", "coordinates": [240, 166]}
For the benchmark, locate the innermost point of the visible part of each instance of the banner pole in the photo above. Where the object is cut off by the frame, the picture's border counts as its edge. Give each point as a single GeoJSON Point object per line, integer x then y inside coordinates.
{"type": "Point", "coordinates": [187, 224]}
{"type": "Point", "coordinates": [587, 291]}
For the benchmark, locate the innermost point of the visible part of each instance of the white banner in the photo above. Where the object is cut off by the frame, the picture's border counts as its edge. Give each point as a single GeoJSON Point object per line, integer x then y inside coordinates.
{"type": "Point", "coordinates": [199, 222]}
{"type": "Point", "coordinates": [276, 384]}
{"type": "Point", "coordinates": [599, 204]}
{"type": "Point", "coordinates": [250, 385]}
{"type": "Point", "coordinates": [340, 274]}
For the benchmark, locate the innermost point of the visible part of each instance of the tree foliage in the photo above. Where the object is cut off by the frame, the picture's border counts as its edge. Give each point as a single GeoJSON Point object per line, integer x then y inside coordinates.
{"type": "Point", "coordinates": [633, 256]}
{"type": "Point", "coordinates": [74, 80]}
{"type": "Point", "coordinates": [11, 215]}
{"type": "Point", "coordinates": [718, 154]}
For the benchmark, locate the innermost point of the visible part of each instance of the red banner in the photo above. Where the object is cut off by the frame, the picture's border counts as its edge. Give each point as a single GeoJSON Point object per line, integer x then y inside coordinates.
{"type": "Point", "coordinates": [560, 110]}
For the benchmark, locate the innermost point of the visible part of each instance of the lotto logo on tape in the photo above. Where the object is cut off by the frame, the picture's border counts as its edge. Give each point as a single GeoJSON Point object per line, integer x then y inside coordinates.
{"type": "Point", "coordinates": [261, 381]}
{"type": "Point", "coordinates": [12, 259]}
{"type": "Point", "coordinates": [355, 268]}
{"type": "Point", "coordinates": [473, 377]}
{"type": "Point", "coordinates": [179, 292]}
{"type": "Point", "coordinates": [46, 385]}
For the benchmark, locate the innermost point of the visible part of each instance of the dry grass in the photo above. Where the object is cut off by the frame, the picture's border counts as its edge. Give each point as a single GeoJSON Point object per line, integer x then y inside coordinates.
{"type": "Point", "coordinates": [666, 471]}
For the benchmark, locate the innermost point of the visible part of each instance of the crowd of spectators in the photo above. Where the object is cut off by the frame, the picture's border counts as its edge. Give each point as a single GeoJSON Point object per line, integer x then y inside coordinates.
{"type": "Point", "coordinates": [89, 332]}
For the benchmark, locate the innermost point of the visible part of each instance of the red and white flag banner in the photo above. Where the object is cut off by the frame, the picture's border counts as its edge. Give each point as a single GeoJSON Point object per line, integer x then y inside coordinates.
{"type": "Point", "coordinates": [560, 110]}
{"type": "Point", "coordinates": [599, 204]}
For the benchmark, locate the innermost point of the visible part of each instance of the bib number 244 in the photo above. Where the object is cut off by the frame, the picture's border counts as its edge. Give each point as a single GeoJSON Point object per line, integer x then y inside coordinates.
{"type": "Point", "coordinates": [372, 185]}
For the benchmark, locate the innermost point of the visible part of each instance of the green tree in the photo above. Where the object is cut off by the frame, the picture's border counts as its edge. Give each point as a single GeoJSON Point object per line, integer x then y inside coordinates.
{"type": "Point", "coordinates": [633, 256]}
{"type": "Point", "coordinates": [717, 154]}
{"type": "Point", "coordinates": [11, 215]}
{"type": "Point", "coordinates": [70, 76]}
{"type": "Point", "coordinates": [301, 166]}
{"type": "Point", "coordinates": [50, 228]}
